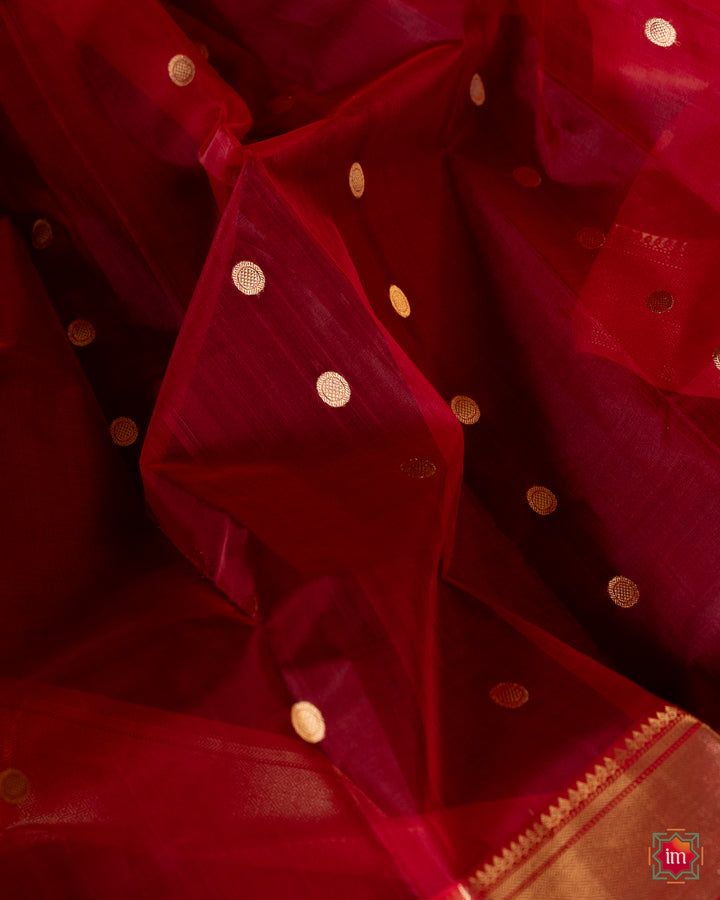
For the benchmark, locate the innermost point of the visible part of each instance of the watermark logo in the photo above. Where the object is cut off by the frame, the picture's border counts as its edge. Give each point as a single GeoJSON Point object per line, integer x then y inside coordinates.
{"type": "Point", "coordinates": [676, 855]}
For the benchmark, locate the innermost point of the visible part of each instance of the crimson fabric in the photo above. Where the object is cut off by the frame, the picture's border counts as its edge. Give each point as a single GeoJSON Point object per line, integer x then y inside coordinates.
{"type": "Point", "coordinates": [164, 604]}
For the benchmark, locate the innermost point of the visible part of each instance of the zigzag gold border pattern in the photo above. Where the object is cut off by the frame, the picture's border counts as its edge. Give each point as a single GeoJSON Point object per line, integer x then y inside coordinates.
{"type": "Point", "coordinates": [488, 880]}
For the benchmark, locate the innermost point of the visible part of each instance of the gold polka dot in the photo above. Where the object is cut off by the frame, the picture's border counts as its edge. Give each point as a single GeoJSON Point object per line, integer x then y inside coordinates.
{"type": "Point", "coordinates": [418, 468]}
{"type": "Point", "coordinates": [509, 695]}
{"type": "Point", "coordinates": [660, 32]}
{"type": "Point", "coordinates": [477, 90]}
{"type": "Point", "coordinates": [465, 409]}
{"type": "Point", "coordinates": [356, 178]}
{"type": "Point", "coordinates": [123, 431]}
{"type": "Point", "coordinates": [623, 592]}
{"type": "Point", "coordinates": [203, 50]}
{"type": "Point", "coordinates": [590, 238]}
{"type": "Point", "coordinates": [659, 301]}
{"type": "Point", "coordinates": [42, 234]}
{"type": "Point", "coordinates": [248, 278]}
{"type": "Point", "coordinates": [181, 70]}
{"type": "Point", "coordinates": [716, 358]}
{"type": "Point", "coordinates": [308, 722]}
{"type": "Point", "coordinates": [81, 332]}
{"type": "Point", "coordinates": [400, 302]}
{"type": "Point", "coordinates": [333, 389]}
{"type": "Point", "coordinates": [14, 786]}
{"type": "Point", "coordinates": [527, 176]}
{"type": "Point", "coordinates": [541, 500]}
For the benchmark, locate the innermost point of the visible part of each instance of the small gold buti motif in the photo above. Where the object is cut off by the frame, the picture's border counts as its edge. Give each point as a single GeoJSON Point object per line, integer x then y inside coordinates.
{"type": "Point", "coordinates": [477, 90]}
{"type": "Point", "coordinates": [541, 500]}
{"type": "Point", "coordinates": [333, 389]}
{"type": "Point", "coordinates": [400, 302]}
{"type": "Point", "coordinates": [248, 277]}
{"type": "Point", "coordinates": [181, 70]}
{"type": "Point", "coordinates": [308, 722]}
{"type": "Point", "coordinates": [42, 234]}
{"type": "Point", "coordinates": [356, 179]}
{"type": "Point", "coordinates": [14, 786]}
{"type": "Point", "coordinates": [509, 695]}
{"type": "Point", "coordinates": [466, 409]}
{"type": "Point", "coordinates": [590, 238]}
{"type": "Point", "coordinates": [623, 592]}
{"type": "Point", "coordinates": [80, 332]}
{"type": "Point", "coordinates": [416, 467]}
{"type": "Point", "coordinates": [659, 301]}
{"type": "Point", "coordinates": [660, 32]}
{"type": "Point", "coordinates": [123, 431]}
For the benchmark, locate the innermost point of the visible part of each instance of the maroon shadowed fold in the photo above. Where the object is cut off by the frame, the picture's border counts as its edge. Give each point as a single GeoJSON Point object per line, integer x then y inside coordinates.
{"type": "Point", "coordinates": [359, 371]}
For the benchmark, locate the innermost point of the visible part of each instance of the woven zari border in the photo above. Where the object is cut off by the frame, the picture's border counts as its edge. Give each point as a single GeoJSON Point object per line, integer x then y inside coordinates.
{"type": "Point", "coordinates": [587, 790]}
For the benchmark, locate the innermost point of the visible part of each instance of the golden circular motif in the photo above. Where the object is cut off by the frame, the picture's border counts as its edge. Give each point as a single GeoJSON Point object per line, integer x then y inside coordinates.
{"type": "Point", "coordinates": [659, 301]}
{"type": "Point", "coordinates": [308, 722]}
{"type": "Point", "coordinates": [248, 278]}
{"type": "Point", "coordinates": [477, 90]}
{"type": "Point", "coordinates": [356, 179]}
{"type": "Point", "coordinates": [527, 176]}
{"type": "Point", "coordinates": [418, 467]}
{"type": "Point", "coordinates": [509, 695]}
{"type": "Point", "coordinates": [14, 786]}
{"type": "Point", "coordinates": [466, 409]}
{"type": "Point", "coordinates": [623, 592]}
{"type": "Point", "coordinates": [590, 238]}
{"type": "Point", "coordinates": [400, 302]}
{"type": "Point", "coordinates": [81, 332]}
{"type": "Point", "coordinates": [42, 234]}
{"type": "Point", "coordinates": [181, 70]}
{"type": "Point", "coordinates": [333, 389]}
{"type": "Point", "coordinates": [716, 358]}
{"type": "Point", "coordinates": [660, 32]}
{"type": "Point", "coordinates": [123, 431]}
{"type": "Point", "coordinates": [541, 500]}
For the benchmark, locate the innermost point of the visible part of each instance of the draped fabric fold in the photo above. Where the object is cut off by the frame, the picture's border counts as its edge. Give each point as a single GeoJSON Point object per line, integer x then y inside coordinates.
{"type": "Point", "coordinates": [358, 373]}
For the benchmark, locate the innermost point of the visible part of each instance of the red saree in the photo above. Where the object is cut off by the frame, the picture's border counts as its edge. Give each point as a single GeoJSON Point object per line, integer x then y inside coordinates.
{"type": "Point", "coordinates": [359, 393]}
